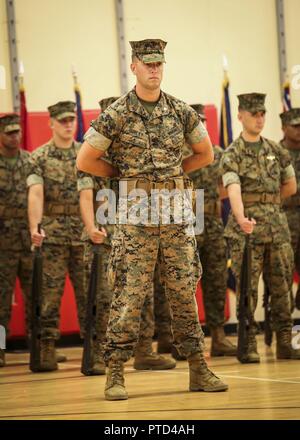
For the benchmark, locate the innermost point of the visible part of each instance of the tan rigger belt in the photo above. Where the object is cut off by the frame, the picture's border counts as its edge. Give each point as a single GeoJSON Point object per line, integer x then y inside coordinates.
{"type": "Point", "coordinates": [7, 212]}
{"type": "Point", "coordinates": [59, 209]}
{"type": "Point", "coordinates": [251, 198]}
{"type": "Point", "coordinates": [148, 185]}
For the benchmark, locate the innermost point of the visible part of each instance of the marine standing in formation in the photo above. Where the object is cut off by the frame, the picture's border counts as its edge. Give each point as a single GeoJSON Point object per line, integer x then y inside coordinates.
{"type": "Point", "coordinates": [15, 253]}
{"type": "Point", "coordinates": [146, 151]}
{"type": "Point", "coordinates": [53, 200]}
{"type": "Point", "coordinates": [258, 174]}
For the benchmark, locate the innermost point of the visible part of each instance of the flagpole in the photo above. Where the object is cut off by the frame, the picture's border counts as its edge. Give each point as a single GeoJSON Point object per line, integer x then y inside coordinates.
{"type": "Point", "coordinates": [21, 76]}
{"type": "Point", "coordinates": [23, 108]}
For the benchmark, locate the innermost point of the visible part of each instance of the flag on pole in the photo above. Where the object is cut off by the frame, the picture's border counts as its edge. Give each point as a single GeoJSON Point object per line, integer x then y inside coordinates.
{"type": "Point", "coordinates": [80, 121]}
{"type": "Point", "coordinates": [286, 98]}
{"type": "Point", "coordinates": [226, 139]}
{"type": "Point", "coordinates": [225, 132]}
{"type": "Point", "coordinates": [23, 108]}
{"type": "Point", "coordinates": [225, 123]}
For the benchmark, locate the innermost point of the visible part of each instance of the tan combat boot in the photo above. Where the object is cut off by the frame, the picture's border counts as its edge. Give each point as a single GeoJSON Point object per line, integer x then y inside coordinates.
{"type": "Point", "coordinates": [48, 355]}
{"type": "Point", "coordinates": [2, 358]}
{"type": "Point", "coordinates": [284, 349]}
{"type": "Point", "coordinates": [201, 378]}
{"type": "Point", "coordinates": [115, 384]}
{"type": "Point", "coordinates": [164, 343]}
{"type": "Point", "coordinates": [220, 346]}
{"type": "Point", "coordinates": [60, 357]}
{"type": "Point", "coordinates": [145, 359]}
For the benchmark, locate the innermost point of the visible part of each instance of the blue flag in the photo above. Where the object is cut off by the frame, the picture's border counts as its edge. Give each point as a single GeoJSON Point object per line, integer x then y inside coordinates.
{"type": "Point", "coordinates": [225, 123]}
{"type": "Point", "coordinates": [286, 99]}
{"type": "Point", "coordinates": [225, 133]}
{"type": "Point", "coordinates": [80, 121]}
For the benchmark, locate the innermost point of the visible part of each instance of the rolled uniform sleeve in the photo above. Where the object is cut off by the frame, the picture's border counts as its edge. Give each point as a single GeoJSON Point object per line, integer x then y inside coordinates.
{"type": "Point", "coordinates": [287, 169]}
{"type": "Point", "coordinates": [287, 173]}
{"type": "Point", "coordinates": [84, 181]}
{"type": "Point", "coordinates": [35, 175]}
{"type": "Point", "coordinates": [97, 140]}
{"type": "Point", "coordinates": [195, 131]}
{"type": "Point", "coordinates": [229, 169]}
{"type": "Point", "coordinates": [103, 130]}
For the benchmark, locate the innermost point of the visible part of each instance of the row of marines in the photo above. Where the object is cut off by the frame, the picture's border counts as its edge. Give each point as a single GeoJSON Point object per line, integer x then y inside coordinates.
{"type": "Point", "coordinates": [259, 176]}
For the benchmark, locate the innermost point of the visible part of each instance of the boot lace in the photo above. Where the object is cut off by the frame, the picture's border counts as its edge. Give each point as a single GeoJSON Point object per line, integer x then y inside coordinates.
{"type": "Point", "coordinates": [117, 372]}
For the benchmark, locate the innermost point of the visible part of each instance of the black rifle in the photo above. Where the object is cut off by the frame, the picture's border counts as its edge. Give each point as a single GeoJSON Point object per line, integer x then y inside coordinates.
{"type": "Point", "coordinates": [268, 319]}
{"type": "Point", "coordinates": [91, 312]}
{"type": "Point", "coordinates": [243, 310]}
{"type": "Point", "coordinates": [36, 291]}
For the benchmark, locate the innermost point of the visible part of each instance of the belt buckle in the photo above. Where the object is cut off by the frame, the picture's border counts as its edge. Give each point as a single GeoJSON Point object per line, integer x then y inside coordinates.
{"type": "Point", "coordinates": [264, 198]}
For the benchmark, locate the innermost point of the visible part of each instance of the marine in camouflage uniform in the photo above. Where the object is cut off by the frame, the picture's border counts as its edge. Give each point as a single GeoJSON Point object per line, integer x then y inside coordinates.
{"type": "Point", "coordinates": [262, 172]}
{"type": "Point", "coordinates": [15, 253]}
{"type": "Point", "coordinates": [291, 129]}
{"type": "Point", "coordinates": [146, 152]}
{"type": "Point", "coordinates": [54, 200]}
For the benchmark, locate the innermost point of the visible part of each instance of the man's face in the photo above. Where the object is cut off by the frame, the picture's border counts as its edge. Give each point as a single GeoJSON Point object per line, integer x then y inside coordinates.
{"type": "Point", "coordinates": [149, 75]}
{"type": "Point", "coordinates": [64, 128]}
{"type": "Point", "coordinates": [292, 133]}
{"type": "Point", "coordinates": [11, 141]}
{"type": "Point", "coordinates": [253, 123]}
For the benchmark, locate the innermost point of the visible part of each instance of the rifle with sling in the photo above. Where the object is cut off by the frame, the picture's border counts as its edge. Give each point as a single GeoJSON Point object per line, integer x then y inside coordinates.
{"type": "Point", "coordinates": [268, 320]}
{"type": "Point", "coordinates": [243, 310]}
{"type": "Point", "coordinates": [36, 292]}
{"type": "Point", "coordinates": [90, 336]}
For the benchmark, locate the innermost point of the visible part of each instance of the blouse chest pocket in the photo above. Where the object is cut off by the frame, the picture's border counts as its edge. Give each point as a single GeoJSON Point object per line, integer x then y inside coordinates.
{"type": "Point", "coordinates": [131, 152]}
{"type": "Point", "coordinates": [54, 178]}
{"type": "Point", "coordinates": [272, 167]}
{"type": "Point", "coordinates": [54, 171]}
{"type": "Point", "coordinates": [170, 147]}
{"type": "Point", "coordinates": [249, 168]}
{"type": "Point", "coordinates": [173, 138]}
{"type": "Point", "coordinates": [132, 141]}
{"type": "Point", "coordinates": [5, 181]}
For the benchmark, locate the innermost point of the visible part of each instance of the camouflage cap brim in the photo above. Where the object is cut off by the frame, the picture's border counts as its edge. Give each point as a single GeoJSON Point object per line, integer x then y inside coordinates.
{"type": "Point", "coordinates": [12, 127]}
{"type": "Point", "coordinates": [152, 58]}
{"type": "Point", "coordinates": [295, 121]}
{"type": "Point", "coordinates": [65, 115]}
